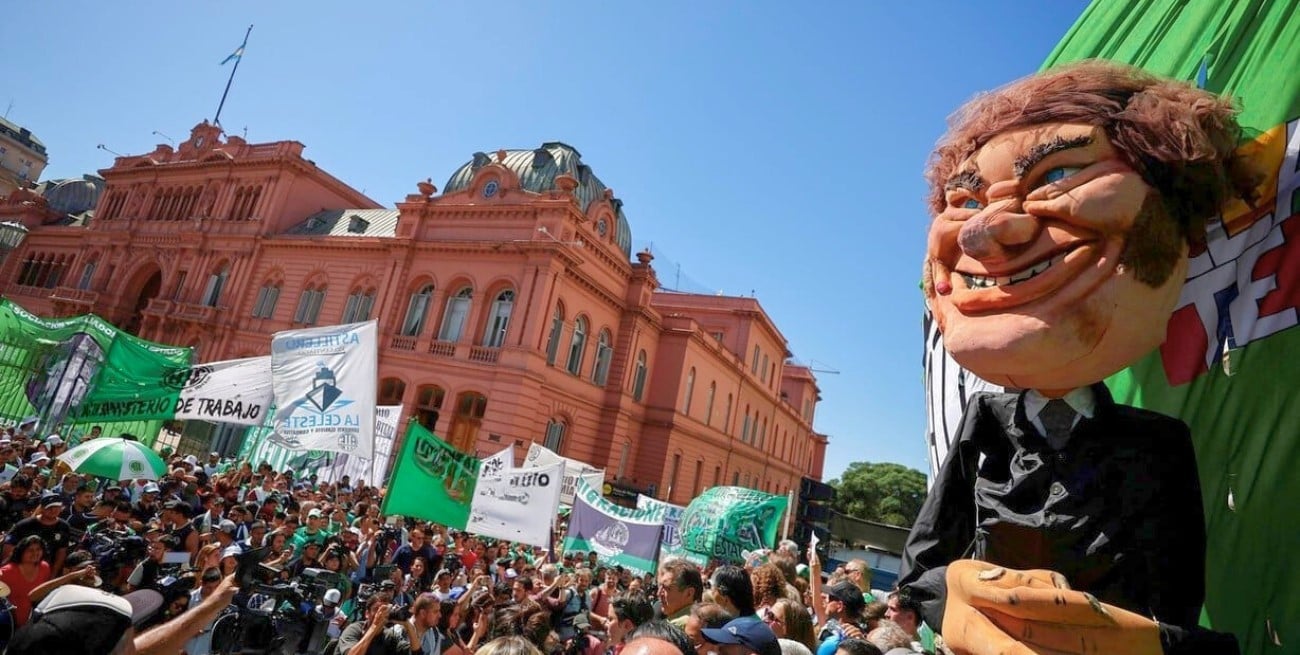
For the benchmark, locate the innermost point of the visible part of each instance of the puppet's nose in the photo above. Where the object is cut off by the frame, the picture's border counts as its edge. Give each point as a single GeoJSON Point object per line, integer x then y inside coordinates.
{"type": "Point", "coordinates": [998, 233]}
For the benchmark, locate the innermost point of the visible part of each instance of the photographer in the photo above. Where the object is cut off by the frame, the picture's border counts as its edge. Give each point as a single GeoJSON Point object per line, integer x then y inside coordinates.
{"type": "Point", "coordinates": [375, 636]}
{"type": "Point", "coordinates": [146, 573]}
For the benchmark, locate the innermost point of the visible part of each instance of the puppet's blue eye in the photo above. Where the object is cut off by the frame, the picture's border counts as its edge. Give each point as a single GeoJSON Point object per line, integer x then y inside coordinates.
{"type": "Point", "coordinates": [1060, 173]}
{"type": "Point", "coordinates": [971, 203]}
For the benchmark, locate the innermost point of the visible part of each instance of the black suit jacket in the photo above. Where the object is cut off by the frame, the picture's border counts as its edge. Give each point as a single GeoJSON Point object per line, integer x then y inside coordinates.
{"type": "Point", "coordinates": [1118, 510]}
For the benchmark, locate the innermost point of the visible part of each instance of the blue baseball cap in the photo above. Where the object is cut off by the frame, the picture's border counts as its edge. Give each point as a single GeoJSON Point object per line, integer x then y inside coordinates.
{"type": "Point", "coordinates": [747, 631]}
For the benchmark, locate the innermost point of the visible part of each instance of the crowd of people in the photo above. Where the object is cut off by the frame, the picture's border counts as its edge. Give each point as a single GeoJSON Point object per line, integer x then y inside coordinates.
{"type": "Point", "coordinates": [166, 563]}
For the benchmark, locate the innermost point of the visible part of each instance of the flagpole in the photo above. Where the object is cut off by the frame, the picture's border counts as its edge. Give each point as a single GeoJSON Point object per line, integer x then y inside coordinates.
{"type": "Point", "coordinates": [789, 509]}
{"type": "Point", "coordinates": [217, 118]}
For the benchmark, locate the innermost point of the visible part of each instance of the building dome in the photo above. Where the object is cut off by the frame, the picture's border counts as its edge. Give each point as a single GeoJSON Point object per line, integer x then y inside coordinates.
{"type": "Point", "coordinates": [537, 170]}
{"type": "Point", "coordinates": [72, 196]}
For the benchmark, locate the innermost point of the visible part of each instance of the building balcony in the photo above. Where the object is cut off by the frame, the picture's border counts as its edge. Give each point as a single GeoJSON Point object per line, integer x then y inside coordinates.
{"type": "Point", "coordinates": [171, 310]}
{"type": "Point", "coordinates": [28, 290]}
{"type": "Point", "coordinates": [484, 355]}
{"type": "Point", "coordinates": [443, 348]}
{"type": "Point", "coordinates": [70, 301]}
{"type": "Point", "coordinates": [402, 342]}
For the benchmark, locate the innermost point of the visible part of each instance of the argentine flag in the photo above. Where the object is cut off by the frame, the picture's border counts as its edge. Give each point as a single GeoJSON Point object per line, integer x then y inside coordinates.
{"type": "Point", "coordinates": [237, 54]}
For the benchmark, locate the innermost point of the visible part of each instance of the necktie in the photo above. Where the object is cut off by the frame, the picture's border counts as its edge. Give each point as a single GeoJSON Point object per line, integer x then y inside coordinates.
{"type": "Point", "coordinates": [1057, 418]}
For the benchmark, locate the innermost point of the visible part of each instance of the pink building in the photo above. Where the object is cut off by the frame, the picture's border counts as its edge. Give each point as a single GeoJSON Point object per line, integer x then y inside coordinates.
{"type": "Point", "coordinates": [510, 304]}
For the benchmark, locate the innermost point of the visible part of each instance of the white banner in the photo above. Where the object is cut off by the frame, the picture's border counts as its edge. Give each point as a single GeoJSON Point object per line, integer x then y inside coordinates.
{"type": "Point", "coordinates": [517, 504]}
{"type": "Point", "coordinates": [235, 391]}
{"type": "Point", "coordinates": [539, 455]}
{"type": "Point", "coordinates": [325, 386]}
{"type": "Point", "coordinates": [497, 465]}
{"type": "Point", "coordinates": [369, 470]}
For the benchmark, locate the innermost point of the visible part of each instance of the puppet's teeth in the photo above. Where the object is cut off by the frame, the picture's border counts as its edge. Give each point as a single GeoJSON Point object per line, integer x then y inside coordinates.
{"type": "Point", "coordinates": [986, 282]}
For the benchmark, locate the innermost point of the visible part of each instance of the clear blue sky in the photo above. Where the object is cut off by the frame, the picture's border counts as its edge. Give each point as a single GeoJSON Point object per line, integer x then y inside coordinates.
{"type": "Point", "coordinates": [767, 147]}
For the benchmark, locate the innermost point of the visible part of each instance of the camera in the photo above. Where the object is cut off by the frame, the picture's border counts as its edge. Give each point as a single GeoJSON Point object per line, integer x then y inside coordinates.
{"type": "Point", "coordinates": [313, 583]}
{"type": "Point", "coordinates": [113, 551]}
{"type": "Point", "coordinates": [399, 613]}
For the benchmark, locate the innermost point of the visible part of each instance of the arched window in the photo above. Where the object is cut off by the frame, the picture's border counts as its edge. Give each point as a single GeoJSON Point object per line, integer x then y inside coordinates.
{"type": "Point", "coordinates": [557, 329]}
{"type": "Point", "coordinates": [391, 391]}
{"type": "Point", "coordinates": [428, 405]}
{"type": "Point", "coordinates": [309, 304]}
{"type": "Point", "coordinates": [726, 417]}
{"type": "Point", "coordinates": [359, 305]}
{"type": "Point", "coordinates": [744, 428]}
{"type": "Point", "coordinates": [87, 273]}
{"type": "Point", "coordinates": [499, 320]}
{"type": "Point", "coordinates": [554, 435]}
{"type": "Point", "coordinates": [638, 377]}
{"type": "Point", "coordinates": [708, 405]}
{"type": "Point", "coordinates": [762, 434]}
{"type": "Point", "coordinates": [417, 311]}
{"type": "Point", "coordinates": [216, 283]}
{"type": "Point", "coordinates": [690, 391]}
{"type": "Point", "coordinates": [577, 345]}
{"type": "Point", "coordinates": [604, 352]}
{"type": "Point", "coordinates": [267, 297]}
{"type": "Point", "coordinates": [453, 318]}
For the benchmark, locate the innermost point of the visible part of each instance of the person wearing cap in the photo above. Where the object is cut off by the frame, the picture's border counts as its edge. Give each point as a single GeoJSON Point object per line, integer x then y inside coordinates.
{"type": "Point", "coordinates": [326, 622]}
{"type": "Point", "coordinates": [40, 460]}
{"type": "Point", "coordinates": [843, 605]}
{"type": "Point", "coordinates": [8, 453]}
{"type": "Point", "coordinates": [213, 465]}
{"type": "Point", "coordinates": [744, 635]}
{"type": "Point", "coordinates": [27, 427]}
{"type": "Point", "coordinates": [214, 508]}
{"type": "Point", "coordinates": [53, 531]}
{"type": "Point", "coordinates": [256, 535]}
{"type": "Point", "coordinates": [79, 620]}
{"type": "Point", "coordinates": [313, 532]}
{"type": "Point", "coordinates": [76, 620]}
{"type": "Point", "coordinates": [147, 505]}
{"type": "Point", "coordinates": [145, 574]}
{"type": "Point", "coordinates": [135, 490]}
{"type": "Point", "coordinates": [226, 533]}
{"type": "Point", "coordinates": [176, 522]}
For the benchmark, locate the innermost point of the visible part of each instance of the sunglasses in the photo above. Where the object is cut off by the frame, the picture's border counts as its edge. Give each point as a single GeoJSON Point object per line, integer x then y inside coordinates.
{"type": "Point", "coordinates": [770, 617]}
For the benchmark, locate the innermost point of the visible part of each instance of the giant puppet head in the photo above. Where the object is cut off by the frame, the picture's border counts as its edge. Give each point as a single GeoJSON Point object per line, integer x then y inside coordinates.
{"type": "Point", "coordinates": [1064, 205]}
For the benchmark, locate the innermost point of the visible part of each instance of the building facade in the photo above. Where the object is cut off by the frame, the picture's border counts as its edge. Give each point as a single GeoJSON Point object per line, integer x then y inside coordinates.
{"type": "Point", "coordinates": [22, 157]}
{"type": "Point", "coordinates": [510, 304]}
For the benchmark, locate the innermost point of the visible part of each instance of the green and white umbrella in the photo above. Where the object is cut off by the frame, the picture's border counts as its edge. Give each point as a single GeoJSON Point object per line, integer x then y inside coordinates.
{"type": "Point", "coordinates": [115, 459]}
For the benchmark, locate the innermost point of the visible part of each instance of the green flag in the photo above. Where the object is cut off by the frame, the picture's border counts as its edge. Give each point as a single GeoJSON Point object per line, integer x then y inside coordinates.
{"type": "Point", "coordinates": [724, 522]}
{"type": "Point", "coordinates": [1227, 367]}
{"type": "Point", "coordinates": [81, 370]}
{"type": "Point", "coordinates": [432, 480]}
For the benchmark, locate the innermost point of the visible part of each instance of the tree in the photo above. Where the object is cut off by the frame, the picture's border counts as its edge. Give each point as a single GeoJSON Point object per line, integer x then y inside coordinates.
{"type": "Point", "coordinates": [884, 492]}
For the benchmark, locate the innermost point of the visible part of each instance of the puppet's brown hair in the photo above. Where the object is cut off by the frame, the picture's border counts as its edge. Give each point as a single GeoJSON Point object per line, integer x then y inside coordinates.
{"type": "Point", "coordinates": [1181, 139]}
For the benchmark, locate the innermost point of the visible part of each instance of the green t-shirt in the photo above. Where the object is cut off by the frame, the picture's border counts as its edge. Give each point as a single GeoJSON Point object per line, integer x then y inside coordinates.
{"type": "Point", "coordinates": [301, 539]}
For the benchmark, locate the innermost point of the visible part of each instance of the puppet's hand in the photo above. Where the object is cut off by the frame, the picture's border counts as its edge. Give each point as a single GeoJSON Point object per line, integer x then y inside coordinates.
{"type": "Point", "coordinates": [997, 611]}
